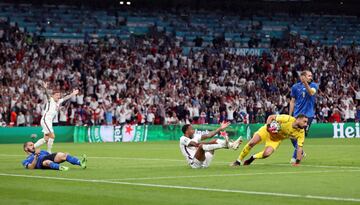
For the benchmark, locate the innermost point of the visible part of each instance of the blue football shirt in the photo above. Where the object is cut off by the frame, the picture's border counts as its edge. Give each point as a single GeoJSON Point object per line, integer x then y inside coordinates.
{"type": "Point", "coordinates": [31, 157]}
{"type": "Point", "coordinates": [304, 102]}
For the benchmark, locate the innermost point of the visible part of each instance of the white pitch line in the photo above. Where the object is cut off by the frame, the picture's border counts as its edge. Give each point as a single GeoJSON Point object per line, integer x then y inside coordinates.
{"type": "Point", "coordinates": [12, 155]}
{"type": "Point", "coordinates": [140, 159]}
{"type": "Point", "coordinates": [105, 157]}
{"type": "Point", "coordinates": [328, 198]}
{"type": "Point", "coordinates": [229, 175]}
{"type": "Point", "coordinates": [178, 160]}
{"type": "Point", "coordinates": [319, 166]}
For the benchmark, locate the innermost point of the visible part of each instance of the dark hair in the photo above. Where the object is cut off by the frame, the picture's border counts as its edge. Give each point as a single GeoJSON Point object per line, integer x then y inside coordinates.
{"type": "Point", "coordinates": [185, 127]}
{"type": "Point", "coordinates": [25, 144]}
{"type": "Point", "coordinates": [301, 116]}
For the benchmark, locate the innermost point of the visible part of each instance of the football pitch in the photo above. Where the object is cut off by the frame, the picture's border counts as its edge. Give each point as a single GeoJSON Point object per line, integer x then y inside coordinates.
{"type": "Point", "coordinates": [156, 173]}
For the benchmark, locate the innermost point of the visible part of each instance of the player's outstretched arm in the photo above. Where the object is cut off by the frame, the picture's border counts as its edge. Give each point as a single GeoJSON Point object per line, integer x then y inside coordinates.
{"type": "Point", "coordinates": [211, 134]}
{"type": "Point", "coordinates": [194, 144]}
{"type": "Point", "coordinates": [45, 85]}
{"type": "Point", "coordinates": [299, 156]}
{"type": "Point", "coordinates": [270, 119]}
{"type": "Point", "coordinates": [74, 93]}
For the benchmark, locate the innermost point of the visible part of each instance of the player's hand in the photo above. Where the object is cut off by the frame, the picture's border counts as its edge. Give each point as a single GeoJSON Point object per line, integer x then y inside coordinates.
{"type": "Point", "coordinates": [295, 164]}
{"type": "Point", "coordinates": [37, 151]}
{"type": "Point", "coordinates": [272, 129]}
{"type": "Point", "coordinates": [303, 79]}
{"type": "Point", "coordinates": [224, 125]}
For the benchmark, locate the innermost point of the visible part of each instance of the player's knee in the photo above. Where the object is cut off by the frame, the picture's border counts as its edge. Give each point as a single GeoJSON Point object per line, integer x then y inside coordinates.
{"type": "Point", "coordinates": [256, 139]}
{"type": "Point", "coordinates": [252, 144]}
{"type": "Point", "coordinates": [267, 153]}
{"type": "Point", "coordinates": [62, 156]}
{"type": "Point", "coordinates": [46, 163]}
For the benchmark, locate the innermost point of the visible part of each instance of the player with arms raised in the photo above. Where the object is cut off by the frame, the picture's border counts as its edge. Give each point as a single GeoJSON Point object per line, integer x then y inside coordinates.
{"type": "Point", "coordinates": [51, 108]}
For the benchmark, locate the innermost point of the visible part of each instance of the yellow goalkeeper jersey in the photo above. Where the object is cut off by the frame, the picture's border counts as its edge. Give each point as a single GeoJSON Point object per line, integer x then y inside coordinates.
{"type": "Point", "coordinates": [287, 130]}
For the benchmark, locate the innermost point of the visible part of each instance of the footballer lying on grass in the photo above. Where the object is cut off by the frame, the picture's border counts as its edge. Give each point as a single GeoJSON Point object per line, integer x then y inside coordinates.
{"type": "Point", "coordinates": [40, 159]}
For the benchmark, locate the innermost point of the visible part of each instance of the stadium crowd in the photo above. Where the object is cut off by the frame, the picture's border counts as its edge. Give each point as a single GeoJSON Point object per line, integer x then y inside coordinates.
{"type": "Point", "coordinates": [149, 80]}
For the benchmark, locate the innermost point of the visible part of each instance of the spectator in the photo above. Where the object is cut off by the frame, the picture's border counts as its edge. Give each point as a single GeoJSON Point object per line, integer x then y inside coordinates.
{"type": "Point", "coordinates": [63, 116]}
{"type": "Point", "coordinates": [358, 114]}
{"type": "Point", "coordinates": [150, 118]}
{"type": "Point", "coordinates": [13, 118]}
{"type": "Point", "coordinates": [20, 120]}
{"type": "Point", "coordinates": [336, 116]}
{"type": "Point", "coordinates": [28, 119]}
{"type": "Point", "coordinates": [222, 117]}
{"type": "Point", "coordinates": [150, 81]}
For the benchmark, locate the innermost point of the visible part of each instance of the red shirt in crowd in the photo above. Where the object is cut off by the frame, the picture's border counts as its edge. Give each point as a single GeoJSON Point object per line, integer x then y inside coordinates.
{"type": "Point", "coordinates": [335, 117]}
{"type": "Point", "coordinates": [13, 117]}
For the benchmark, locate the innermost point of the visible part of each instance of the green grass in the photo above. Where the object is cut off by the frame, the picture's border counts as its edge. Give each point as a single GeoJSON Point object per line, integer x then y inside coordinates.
{"type": "Point", "coordinates": [129, 173]}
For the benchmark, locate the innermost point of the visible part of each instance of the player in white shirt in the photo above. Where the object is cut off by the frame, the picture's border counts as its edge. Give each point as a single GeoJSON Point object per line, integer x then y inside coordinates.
{"type": "Point", "coordinates": [199, 154]}
{"type": "Point", "coordinates": [51, 110]}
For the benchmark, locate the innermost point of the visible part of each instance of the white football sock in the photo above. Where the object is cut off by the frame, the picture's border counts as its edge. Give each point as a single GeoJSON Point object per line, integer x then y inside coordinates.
{"type": "Point", "coordinates": [223, 142]}
{"type": "Point", "coordinates": [50, 144]}
{"type": "Point", "coordinates": [39, 142]}
{"type": "Point", "coordinates": [209, 147]}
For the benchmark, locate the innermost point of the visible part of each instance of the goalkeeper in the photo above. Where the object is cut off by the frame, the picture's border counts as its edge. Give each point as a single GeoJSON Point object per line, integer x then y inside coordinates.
{"type": "Point", "coordinates": [276, 129]}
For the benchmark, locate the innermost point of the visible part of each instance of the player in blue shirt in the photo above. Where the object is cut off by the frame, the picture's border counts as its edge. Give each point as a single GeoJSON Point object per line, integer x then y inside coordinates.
{"type": "Point", "coordinates": [40, 159]}
{"type": "Point", "coordinates": [303, 102]}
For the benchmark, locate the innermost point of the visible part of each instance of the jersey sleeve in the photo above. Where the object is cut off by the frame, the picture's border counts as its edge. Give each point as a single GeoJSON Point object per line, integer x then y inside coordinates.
{"type": "Point", "coordinates": [196, 138]}
{"type": "Point", "coordinates": [185, 141]}
{"type": "Point", "coordinates": [314, 86]}
{"type": "Point", "coordinates": [283, 118]}
{"type": "Point", "coordinates": [61, 101]}
{"type": "Point", "coordinates": [300, 138]}
{"type": "Point", "coordinates": [27, 161]}
{"type": "Point", "coordinates": [43, 152]}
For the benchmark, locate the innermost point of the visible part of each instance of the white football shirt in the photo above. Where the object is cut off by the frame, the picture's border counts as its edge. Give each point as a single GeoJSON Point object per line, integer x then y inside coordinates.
{"type": "Point", "coordinates": [189, 151]}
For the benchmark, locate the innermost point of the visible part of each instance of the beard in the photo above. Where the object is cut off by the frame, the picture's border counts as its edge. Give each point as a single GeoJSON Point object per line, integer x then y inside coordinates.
{"type": "Point", "coordinates": [303, 127]}
{"type": "Point", "coordinates": [31, 150]}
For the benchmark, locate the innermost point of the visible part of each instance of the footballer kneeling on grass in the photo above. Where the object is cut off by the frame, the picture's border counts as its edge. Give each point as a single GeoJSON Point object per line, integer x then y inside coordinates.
{"type": "Point", "coordinates": [276, 129]}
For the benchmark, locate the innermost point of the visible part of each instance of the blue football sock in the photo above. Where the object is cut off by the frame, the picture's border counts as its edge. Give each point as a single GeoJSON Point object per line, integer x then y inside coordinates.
{"type": "Point", "coordinates": [72, 160]}
{"type": "Point", "coordinates": [294, 143]}
{"type": "Point", "coordinates": [54, 165]}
